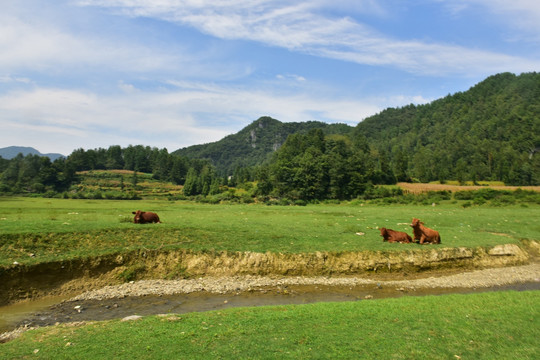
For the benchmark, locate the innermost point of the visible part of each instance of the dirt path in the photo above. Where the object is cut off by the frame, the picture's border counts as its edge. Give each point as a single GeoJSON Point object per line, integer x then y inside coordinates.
{"type": "Point", "coordinates": [224, 285]}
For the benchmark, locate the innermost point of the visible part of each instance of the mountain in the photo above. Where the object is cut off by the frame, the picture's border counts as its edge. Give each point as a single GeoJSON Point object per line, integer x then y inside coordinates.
{"type": "Point", "coordinates": [254, 144]}
{"type": "Point", "coordinates": [491, 131]}
{"type": "Point", "coordinates": [12, 151]}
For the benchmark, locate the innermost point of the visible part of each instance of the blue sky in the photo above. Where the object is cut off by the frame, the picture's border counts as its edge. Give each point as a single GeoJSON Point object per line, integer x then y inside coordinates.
{"type": "Point", "coordinates": [173, 73]}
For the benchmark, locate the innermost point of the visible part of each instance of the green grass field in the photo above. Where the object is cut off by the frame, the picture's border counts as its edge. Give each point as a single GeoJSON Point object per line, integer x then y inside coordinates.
{"type": "Point", "coordinates": [54, 229]}
{"type": "Point", "coordinates": [482, 326]}
{"type": "Point", "coordinates": [502, 325]}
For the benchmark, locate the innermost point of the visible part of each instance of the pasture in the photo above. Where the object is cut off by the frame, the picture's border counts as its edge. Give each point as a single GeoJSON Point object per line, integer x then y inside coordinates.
{"type": "Point", "coordinates": [489, 325]}
{"type": "Point", "coordinates": [499, 325]}
{"type": "Point", "coordinates": [36, 230]}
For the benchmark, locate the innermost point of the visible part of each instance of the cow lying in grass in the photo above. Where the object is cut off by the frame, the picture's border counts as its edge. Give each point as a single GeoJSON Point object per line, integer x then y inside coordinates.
{"type": "Point", "coordinates": [143, 217]}
{"type": "Point", "coordinates": [395, 236]}
{"type": "Point", "coordinates": [424, 234]}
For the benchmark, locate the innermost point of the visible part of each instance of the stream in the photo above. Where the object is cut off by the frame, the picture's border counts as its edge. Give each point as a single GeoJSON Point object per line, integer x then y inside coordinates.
{"type": "Point", "coordinates": [54, 310]}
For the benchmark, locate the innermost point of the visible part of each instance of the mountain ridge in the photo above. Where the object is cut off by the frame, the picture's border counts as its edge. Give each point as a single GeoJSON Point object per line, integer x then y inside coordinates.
{"type": "Point", "coordinates": [490, 129]}
{"type": "Point", "coordinates": [254, 144]}
{"type": "Point", "coordinates": [10, 152]}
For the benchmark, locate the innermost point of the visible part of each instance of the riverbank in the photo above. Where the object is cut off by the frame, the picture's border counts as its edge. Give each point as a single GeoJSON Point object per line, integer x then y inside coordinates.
{"type": "Point", "coordinates": [151, 297]}
{"type": "Point", "coordinates": [139, 272]}
{"type": "Point", "coordinates": [231, 284]}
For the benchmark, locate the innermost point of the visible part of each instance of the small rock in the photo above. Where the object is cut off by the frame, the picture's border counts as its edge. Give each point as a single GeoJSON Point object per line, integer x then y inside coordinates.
{"type": "Point", "coordinates": [367, 297]}
{"type": "Point", "coordinates": [132, 318]}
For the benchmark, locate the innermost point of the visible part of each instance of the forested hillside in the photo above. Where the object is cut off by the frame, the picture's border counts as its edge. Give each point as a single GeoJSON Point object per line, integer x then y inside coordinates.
{"type": "Point", "coordinates": [254, 144]}
{"type": "Point", "coordinates": [490, 132]}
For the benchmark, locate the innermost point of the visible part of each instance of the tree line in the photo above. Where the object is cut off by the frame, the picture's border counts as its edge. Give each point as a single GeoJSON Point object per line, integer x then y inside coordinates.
{"type": "Point", "coordinates": [307, 167]}
{"type": "Point", "coordinates": [36, 174]}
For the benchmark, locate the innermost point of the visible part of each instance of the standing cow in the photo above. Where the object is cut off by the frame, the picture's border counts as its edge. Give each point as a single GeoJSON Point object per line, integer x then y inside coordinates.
{"type": "Point", "coordinates": [395, 236]}
{"type": "Point", "coordinates": [424, 234]}
{"type": "Point", "coordinates": [143, 217]}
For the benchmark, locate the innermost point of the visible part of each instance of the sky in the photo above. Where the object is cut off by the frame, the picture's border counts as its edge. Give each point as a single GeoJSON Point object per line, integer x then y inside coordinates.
{"type": "Point", "coordinates": [173, 73]}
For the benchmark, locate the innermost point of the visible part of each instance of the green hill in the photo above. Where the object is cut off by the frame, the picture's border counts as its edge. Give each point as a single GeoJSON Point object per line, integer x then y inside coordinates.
{"type": "Point", "coordinates": [254, 144]}
{"type": "Point", "coordinates": [490, 132]}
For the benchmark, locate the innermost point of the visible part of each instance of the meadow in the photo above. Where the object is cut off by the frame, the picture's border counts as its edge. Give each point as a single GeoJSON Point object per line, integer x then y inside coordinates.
{"type": "Point", "coordinates": [480, 326]}
{"type": "Point", "coordinates": [35, 230]}
{"type": "Point", "coordinates": [501, 325]}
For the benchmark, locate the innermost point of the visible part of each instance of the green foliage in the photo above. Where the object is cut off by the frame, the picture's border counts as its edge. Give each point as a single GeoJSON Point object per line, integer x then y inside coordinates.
{"type": "Point", "coordinates": [34, 174]}
{"type": "Point", "coordinates": [254, 144]}
{"type": "Point", "coordinates": [491, 325]}
{"type": "Point", "coordinates": [314, 167]}
{"type": "Point", "coordinates": [490, 132]}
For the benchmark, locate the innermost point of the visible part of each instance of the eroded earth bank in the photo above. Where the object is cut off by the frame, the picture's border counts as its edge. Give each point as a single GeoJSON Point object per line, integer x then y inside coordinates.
{"type": "Point", "coordinates": [19, 282]}
{"type": "Point", "coordinates": [151, 277]}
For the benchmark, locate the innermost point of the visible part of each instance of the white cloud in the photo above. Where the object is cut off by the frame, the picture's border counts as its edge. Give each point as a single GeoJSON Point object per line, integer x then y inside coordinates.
{"type": "Point", "coordinates": [58, 120]}
{"type": "Point", "coordinates": [14, 79]}
{"type": "Point", "coordinates": [39, 44]}
{"type": "Point", "coordinates": [302, 27]}
{"type": "Point", "coordinates": [523, 15]}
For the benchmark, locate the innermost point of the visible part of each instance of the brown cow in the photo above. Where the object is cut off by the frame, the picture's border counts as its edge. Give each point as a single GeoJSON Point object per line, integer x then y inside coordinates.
{"type": "Point", "coordinates": [424, 234]}
{"type": "Point", "coordinates": [143, 217]}
{"type": "Point", "coordinates": [395, 236]}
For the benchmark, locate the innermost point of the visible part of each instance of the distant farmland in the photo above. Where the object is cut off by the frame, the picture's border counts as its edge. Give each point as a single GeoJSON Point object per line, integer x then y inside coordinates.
{"type": "Point", "coordinates": [417, 188]}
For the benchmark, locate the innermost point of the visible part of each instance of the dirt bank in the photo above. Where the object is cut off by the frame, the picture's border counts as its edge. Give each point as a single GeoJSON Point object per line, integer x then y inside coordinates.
{"type": "Point", "coordinates": [20, 282]}
{"type": "Point", "coordinates": [224, 285]}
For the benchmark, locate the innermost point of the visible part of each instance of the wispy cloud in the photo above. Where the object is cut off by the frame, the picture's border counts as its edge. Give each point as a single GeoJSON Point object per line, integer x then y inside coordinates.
{"type": "Point", "coordinates": [68, 118]}
{"type": "Point", "coordinates": [520, 14]}
{"type": "Point", "coordinates": [30, 41]}
{"type": "Point", "coordinates": [303, 28]}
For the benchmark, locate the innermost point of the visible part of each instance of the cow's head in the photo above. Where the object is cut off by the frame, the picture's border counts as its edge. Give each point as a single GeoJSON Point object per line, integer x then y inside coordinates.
{"type": "Point", "coordinates": [383, 231]}
{"type": "Point", "coordinates": [415, 222]}
{"type": "Point", "coordinates": [138, 216]}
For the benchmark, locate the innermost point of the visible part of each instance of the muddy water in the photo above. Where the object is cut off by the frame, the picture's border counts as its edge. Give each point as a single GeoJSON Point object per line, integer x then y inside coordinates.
{"type": "Point", "coordinates": [50, 311]}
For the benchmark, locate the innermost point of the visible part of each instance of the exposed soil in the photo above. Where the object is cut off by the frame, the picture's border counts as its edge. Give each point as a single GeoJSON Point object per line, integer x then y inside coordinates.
{"type": "Point", "coordinates": [417, 188]}
{"type": "Point", "coordinates": [224, 285]}
{"type": "Point", "coordinates": [72, 277]}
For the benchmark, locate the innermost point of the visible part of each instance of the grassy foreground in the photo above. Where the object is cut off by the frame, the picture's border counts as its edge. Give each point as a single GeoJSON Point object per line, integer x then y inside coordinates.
{"type": "Point", "coordinates": [35, 230]}
{"type": "Point", "coordinates": [502, 325]}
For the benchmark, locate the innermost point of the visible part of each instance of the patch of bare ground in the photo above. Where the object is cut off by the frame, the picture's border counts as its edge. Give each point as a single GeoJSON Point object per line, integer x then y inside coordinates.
{"type": "Point", "coordinates": [229, 271]}
{"type": "Point", "coordinates": [229, 284]}
{"type": "Point", "coordinates": [417, 188]}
